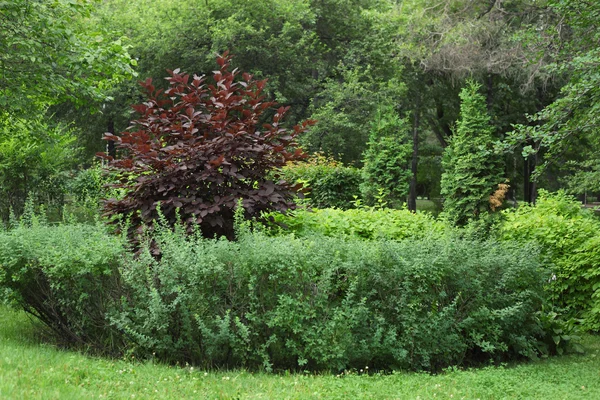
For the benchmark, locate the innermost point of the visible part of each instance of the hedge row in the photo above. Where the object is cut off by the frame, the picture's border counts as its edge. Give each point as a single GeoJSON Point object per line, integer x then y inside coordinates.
{"type": "Point", "coordinates": [314, 303]}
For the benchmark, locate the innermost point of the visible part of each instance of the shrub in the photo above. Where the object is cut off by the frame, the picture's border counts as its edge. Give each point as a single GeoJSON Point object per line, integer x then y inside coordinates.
{"type": "Point", "coordinates": [568, 236]}
{"type": "Point", "coordinates": [85, 190]}
{"type": "Point", "coordinates": [198, 149]}
{"type": "Point", "coordinates": [329, 183]}
{"type": "Point", "coordinates": [365, 222]}
{"type": "Point", "coordinates": [65, 275]}
{"type": "Point", "coordinates": [324, 303]}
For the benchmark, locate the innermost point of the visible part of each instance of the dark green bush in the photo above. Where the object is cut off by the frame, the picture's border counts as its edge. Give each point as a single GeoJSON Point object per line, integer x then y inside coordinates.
{"type": "Point", "coordinates": [67, 276]}
{"type": "Point", "coordinates": [568, 237]}
{"type": "Point", "coordinates": [315, 303]}
{"type": "Point", "coordinates": [364, 222]}
{"type": "Point", "coordinates": [329, 183]}
{"type": "Point", "coordinates": [327, 303]}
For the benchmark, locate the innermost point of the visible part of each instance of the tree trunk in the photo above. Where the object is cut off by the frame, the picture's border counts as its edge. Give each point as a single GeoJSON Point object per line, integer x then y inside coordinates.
{"type": "Point", "coordinates": [110, 146]}
{"type": "Point", "coordinates": [412, 196]}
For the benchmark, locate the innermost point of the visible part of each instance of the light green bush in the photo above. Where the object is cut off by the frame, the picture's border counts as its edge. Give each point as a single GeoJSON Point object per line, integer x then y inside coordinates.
{"type": "Point", "coordinates": [568, 237]}
{"type": "Point", "coordinates": [365, 222]}
{"type": "Point", "coordinates": [65, 275]}
{"type": "Point", "coordinates": [328, 182]}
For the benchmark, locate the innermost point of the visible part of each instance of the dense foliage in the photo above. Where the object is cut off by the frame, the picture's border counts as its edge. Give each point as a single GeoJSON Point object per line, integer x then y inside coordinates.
{"type": "Point", "coordinates": [281, 302]}
{"type": "Point", "coordinates": [385, 169]}
{"type": "Point", "coordinates": [65, 275]}
{"type": "Point", "coordinates": [568, 237]}
{"type": "Point", "coordinates": [197, 150]}
{"type": "Point", "coordinates": [325, 181]}
{"type": "Point", "coordinates": [363, 222]}
{"type": "Point", "coordinates": [34, 159]}
{"type": "Point", "coordinates": [48, 54]}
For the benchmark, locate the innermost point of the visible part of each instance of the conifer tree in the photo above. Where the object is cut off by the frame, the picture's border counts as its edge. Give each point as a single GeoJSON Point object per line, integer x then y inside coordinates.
{"type": "Point", "coordinates": [472, 171]}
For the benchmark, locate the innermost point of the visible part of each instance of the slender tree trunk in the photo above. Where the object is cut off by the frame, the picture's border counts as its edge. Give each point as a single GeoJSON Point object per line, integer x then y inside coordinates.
{"type": "Point", "coordinates": [534, 184]}
{"type": "Point", "coordinates": [412, 196]}
{"type": "Point", "coordinates": [526, 183]}
{"type": "Point", "coordinates": [110, 128]}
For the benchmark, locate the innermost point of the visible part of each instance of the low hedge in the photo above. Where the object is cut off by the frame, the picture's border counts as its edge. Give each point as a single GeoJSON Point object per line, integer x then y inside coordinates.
{"type": "Point", "coordinates": [315, 303]}
{"type": "Point", "coordinates": [365, 223]}
{"type": "Point", "coordinates": [67, 276]}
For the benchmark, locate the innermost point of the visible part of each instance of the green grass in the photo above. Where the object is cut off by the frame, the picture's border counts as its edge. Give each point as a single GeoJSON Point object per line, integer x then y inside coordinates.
{"type": "Point", "coordinates": [31, 370]}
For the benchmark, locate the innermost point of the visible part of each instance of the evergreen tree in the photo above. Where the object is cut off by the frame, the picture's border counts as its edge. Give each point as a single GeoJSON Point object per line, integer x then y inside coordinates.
{"type": "Point", "coordinates": [472, 171]}
{"type": "Point", "coordinates": [386, 170]}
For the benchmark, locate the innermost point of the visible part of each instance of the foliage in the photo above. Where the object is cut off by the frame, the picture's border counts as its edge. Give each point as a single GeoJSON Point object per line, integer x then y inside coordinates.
{"type": "Point", "coordinates": [328, 303]}
{"type": "Point", "coordinates": [471, 169]}
{"type": "Point", "coordinates": [363, 222]}
{"type": "Point", "coordinates": [571, 120]}
{"type": "Point", "coordinates": [199, 149]}
{"type": "Point", "coordinates": [85, 190]}
{"type": "Point", "coordinates": [34, 159]}
{"type": "Point", "coordinates": [67, 276]}
{"type": "Point", "coordinates": [568, 236]}
{"type": "Point", "coordinates": [49, 54]}
{"type": "Point", "coordinates": [386, 159]}
{"type": "Point", "coordinates": [329, 183]}
{"type": "Point", "coordinates": [345, 109]}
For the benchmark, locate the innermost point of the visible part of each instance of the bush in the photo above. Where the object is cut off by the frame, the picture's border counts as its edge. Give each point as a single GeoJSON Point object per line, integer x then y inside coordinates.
{"type": "Point", "coordinates": [329, 304]}
{"type": "Point", "coordinates": [568, 236]}
{"type": "Point", "coordinates": [365, 222]}
{"type": "Point", "coordinates": [329, 183]}
{"type": "Point", "coordinates": [196, 150]}
{"type": "Point", "coordinates": [85, 190]}
{"type": "Point", "coordinates": [67, 276]}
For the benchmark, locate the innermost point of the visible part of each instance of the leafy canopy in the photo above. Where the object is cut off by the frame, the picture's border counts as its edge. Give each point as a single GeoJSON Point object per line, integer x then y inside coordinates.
{"type": "Point", "coordinates": [49, 53]}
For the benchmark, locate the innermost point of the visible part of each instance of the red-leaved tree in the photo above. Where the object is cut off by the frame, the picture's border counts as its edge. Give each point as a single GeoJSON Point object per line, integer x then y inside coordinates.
{"type": "Point", "coordinates": [199, 148]}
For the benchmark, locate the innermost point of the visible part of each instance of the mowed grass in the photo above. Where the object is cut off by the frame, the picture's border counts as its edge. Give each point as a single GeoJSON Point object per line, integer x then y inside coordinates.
{"type": "Point", "coordinates": [31, 370]}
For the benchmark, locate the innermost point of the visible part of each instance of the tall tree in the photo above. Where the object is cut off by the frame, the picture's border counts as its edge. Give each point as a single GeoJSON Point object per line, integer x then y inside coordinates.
{"type": "Point", "coordinates": [573, 119]}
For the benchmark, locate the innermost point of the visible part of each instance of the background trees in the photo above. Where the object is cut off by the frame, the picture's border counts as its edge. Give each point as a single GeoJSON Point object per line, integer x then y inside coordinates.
{"type": "Point", "coordinates": [338, 62]}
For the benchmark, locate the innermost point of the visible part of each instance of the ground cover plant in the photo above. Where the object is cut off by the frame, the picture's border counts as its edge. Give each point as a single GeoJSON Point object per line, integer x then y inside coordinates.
{"type": "Point", "coordinates": [33, 370]}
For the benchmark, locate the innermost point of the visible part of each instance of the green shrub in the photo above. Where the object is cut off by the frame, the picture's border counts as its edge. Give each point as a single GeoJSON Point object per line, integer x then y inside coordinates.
{"type": "Point", "coordinates": [324, 303]}
{"type": "Point", "coordinates": [65, 275]}
{"type": "Point", "coordinates": [329, 182]}
{"type": "Point", "coordinates": [568, 236]}
{"type": "Point", "coordinates": [364, 222]}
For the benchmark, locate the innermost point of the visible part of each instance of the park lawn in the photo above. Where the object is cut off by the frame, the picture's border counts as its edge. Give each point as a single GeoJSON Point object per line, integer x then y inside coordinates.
{"type": "Point", "coordinates": [31, 370]}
